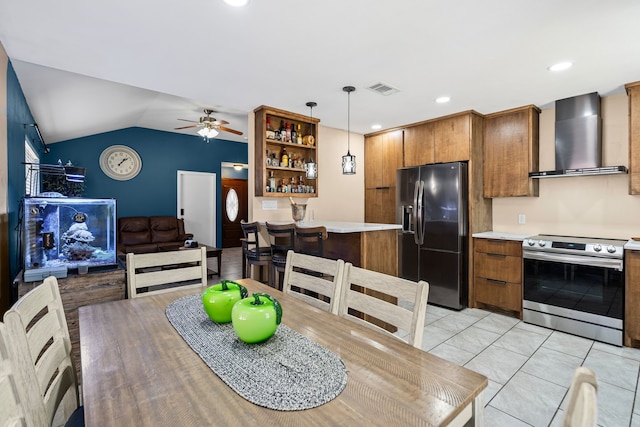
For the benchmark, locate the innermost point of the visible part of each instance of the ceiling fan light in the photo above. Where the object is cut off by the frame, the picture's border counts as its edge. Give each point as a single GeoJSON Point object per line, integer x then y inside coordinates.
{"type": "Point", "coordinates": [208, 133]}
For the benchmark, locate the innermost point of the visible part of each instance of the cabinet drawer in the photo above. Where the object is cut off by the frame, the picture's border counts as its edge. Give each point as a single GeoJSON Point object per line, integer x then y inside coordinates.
{"type": "Point", "coordinates": [499, 247]}
{"type": "Point", "coordinates": [498, 267]}
{"type": "Point", "coordinates": [498, 294]}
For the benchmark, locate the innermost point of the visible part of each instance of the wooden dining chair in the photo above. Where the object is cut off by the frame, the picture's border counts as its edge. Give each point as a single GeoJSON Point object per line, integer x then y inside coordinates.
{"type": "Point", "coordinates": [384, 297]}
{"type": "Point", "coordinates": [11, 409]}
{"type": "Point", "coordinates": [582, 409]}
{"type": "Point", "coordinates": [314, 280]}
{"type": "Point", "coordinates": [309, 240]}
{"type": "Point", "coordinates": [159, 272]}
{"type": "Point", "coordinates": [282, 240]}
{"type": "Point", "coordinates": [253, 250]}
{"type": "Point", "coordinates": [41, 350]}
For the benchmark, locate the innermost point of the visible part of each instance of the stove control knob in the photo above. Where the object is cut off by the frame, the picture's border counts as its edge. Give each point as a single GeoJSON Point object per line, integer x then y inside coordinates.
{"type": "Point", "coordinates": [597, 247]}
{"type": "Point", "coordinates": [542, 243]}
{"type": "Point", "coordinates": [531, 242]}
{"type": "Point", "coordinates": [611, 249]}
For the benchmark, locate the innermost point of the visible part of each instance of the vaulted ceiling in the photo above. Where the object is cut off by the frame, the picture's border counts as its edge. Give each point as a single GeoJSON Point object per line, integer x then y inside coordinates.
{"type": "Point", "coordinates": [88, 67]}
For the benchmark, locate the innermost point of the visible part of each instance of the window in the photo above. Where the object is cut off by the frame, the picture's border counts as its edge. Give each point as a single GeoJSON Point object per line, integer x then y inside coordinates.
{"type": "Point", "coordinates": [32, 177]}
{"type": "Point", "coordinates": [232, 205]}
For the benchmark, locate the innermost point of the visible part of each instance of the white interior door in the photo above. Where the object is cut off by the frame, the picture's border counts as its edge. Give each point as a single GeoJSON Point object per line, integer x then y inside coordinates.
{"type": "Point", "coordinates": [197, 205]}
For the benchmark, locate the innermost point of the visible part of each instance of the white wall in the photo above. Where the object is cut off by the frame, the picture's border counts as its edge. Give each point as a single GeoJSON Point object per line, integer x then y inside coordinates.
{"type": "Point", "coordinates": [590, 206]}
{"type": "Point", "coordinates": [341, 197]}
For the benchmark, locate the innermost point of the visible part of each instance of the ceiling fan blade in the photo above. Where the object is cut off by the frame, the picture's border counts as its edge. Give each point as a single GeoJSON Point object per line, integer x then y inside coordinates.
{"type": "Point", "coordinates": [186, 127]}
{"type": "Point", "coordinates": [237, 132]}
{"type": "Point", "coordinates": [185, 120]}
{"type": "Point", "coordinates": [220, 122]}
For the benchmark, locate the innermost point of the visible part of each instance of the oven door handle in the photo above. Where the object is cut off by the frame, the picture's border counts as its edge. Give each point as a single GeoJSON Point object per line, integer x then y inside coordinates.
{"type": "Point", "coordinates": [573, 259]}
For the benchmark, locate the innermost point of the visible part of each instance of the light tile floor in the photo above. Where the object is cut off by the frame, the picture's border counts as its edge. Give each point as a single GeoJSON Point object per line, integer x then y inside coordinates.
{"type": "Point", "coordinates": [530, 368]}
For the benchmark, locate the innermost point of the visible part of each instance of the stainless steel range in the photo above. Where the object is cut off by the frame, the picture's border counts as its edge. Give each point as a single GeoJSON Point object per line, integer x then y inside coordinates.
{"type": "Point", "coordinates": [575, 285]}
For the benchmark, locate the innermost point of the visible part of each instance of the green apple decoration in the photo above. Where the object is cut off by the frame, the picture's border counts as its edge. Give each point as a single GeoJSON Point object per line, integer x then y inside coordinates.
{"type": "Point", "coordinates": [218, 300]}
{"type": "Point", "coordinates": [255, 319]}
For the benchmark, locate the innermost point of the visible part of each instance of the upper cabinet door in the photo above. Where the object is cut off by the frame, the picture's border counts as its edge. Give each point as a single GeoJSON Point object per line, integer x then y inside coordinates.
{"type": "Point", "coordinates": [452, 138]}
{"type": "Point", "coordinates": [373, 161]}
{"type": "Point", "coordinates": [393, 157]}
{"type": "Point", "coordinates": [419, 144]}
{"type": "Point", "coordinates": [383, 155]}
{"type": "Point", "coordinates": [511, 152]}
{"type": "Point", "coordinates": [633, 90]}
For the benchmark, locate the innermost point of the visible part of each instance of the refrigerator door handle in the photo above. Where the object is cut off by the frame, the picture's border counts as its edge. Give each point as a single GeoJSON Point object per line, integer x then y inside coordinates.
{"type": "Point", "coordinates": [420, 208]}
{"type": "Point", "coordinates": [414, 214]}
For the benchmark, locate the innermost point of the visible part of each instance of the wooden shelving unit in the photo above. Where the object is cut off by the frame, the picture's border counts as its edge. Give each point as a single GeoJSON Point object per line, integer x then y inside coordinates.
{"type": "Point", "coordinates": [298, 154]}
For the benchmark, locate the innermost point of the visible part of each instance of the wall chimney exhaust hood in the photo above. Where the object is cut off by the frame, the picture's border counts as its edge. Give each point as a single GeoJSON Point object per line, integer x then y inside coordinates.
{"type": "Point", "coordinates": [579, 139]}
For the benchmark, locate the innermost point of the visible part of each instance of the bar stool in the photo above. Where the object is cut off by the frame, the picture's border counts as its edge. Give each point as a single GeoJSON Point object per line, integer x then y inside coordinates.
{"type": "Point", "coordinates": [309, 240]}
{"type": "Point", "coordinates": [252, 252]}
{"type": "Point", "coordinates": [282, 240]}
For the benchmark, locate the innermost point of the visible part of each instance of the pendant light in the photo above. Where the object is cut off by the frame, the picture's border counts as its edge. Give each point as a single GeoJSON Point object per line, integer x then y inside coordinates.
{"type": "Point", "coordinates": [311, 167]}
{"type": "Point", "coordinates": [348, 160]}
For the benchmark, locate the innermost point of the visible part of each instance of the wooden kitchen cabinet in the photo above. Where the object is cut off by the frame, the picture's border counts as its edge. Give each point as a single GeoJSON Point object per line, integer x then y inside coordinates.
{"type": "Point", "coordinates": [632, 299]}
{"type": "Point", "coordinates": [267, 147]}
{"type": "Point", "coordinates": [452, 138]}
{"type": "Point", "coordinates": [498, 275]}
{"type": "Point", "coordinates": [383, 154]}
{"type": "Point", "coordinates": [380, 205]}
{"type": "Point", "coordinates": [419, 144]}
{"type": "Point", "coordinates": [633, 90]}
{"type": "Point", "coordinates": [511, 145]}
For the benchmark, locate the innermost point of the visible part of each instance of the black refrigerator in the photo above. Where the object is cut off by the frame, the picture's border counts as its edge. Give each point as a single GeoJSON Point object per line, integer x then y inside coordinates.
{"type": "Point", "coordinates": [431, 205]}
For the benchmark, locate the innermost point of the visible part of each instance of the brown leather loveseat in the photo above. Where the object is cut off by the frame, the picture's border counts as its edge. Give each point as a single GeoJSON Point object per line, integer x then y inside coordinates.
{"type": "Point", "coordinates": [142, 234]}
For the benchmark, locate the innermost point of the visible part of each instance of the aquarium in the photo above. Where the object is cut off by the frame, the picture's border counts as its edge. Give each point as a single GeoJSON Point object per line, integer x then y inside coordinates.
{"type": "Point", "coordinates": [62, 232]}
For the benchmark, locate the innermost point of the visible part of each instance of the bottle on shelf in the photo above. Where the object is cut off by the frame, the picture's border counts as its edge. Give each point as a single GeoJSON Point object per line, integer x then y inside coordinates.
{"type": "Point", "coordinates": [299, 135]}
{"type": "Point", "coordinates": [272, 181]}
{"type": "Point", "coordinates": [270, 133]}
{"type": "Point", "coordinates": [288, 132]}
{"type": "Point", "coordinates": [284, 158]}
{"type": "Point", "coordinates": [283, 131]}
{"type": "Point", "coordinates": [294, 134]}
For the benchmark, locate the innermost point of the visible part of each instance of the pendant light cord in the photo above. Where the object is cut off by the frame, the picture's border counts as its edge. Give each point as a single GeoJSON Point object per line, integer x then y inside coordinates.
{"type": "Point", "coordinates": [349, 123]}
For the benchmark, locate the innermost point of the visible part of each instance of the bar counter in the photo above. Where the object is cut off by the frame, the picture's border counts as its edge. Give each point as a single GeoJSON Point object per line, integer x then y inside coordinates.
{"type": "Point", "coordinates": [367, 245]}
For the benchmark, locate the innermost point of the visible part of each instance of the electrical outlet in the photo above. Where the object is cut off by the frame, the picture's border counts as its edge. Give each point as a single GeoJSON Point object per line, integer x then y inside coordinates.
{"type": "Point", "coordinates": [522, 219]}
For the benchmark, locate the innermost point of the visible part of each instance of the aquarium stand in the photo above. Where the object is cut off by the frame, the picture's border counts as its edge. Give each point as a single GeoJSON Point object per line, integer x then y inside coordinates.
{"type": "Point", "coordinates": [38, 274]}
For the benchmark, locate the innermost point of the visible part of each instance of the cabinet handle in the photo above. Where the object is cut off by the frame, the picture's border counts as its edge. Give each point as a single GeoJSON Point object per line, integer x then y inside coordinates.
{"type": "Point", "coordinates": [382, 188]}
{"type": "Point", "coordinates": [497, 255]}
{"type": "Point", "coordinates": [499, 282]}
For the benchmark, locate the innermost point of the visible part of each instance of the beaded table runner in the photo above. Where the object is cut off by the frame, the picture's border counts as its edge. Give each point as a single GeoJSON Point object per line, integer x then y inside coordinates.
{"type": "Point", "coordinates": [288, 372]}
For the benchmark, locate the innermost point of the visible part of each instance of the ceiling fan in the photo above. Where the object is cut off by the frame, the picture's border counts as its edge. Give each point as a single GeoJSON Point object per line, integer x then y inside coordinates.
{"type": "Point", "coordinates": [210, 126]}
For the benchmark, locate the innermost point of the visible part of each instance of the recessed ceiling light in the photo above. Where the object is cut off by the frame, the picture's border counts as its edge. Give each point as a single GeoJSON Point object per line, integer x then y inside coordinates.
{"type": "Point", "coordinates": [376, 127]}
{"type": "Point", "coordinates": [443, 99]}
{"type": "Point", "coordinates": [236, 3]}
{"type": "Point", "coordinates": [561, 66]}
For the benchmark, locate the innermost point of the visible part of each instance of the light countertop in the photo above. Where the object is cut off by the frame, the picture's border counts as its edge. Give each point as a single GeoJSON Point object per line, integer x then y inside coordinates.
{"type": "Point", "coordinates": [346, 227]}
{"type": "Point", "coordinates": [632, 245]}
{"type": "Point", "coordinates": [500, 235]}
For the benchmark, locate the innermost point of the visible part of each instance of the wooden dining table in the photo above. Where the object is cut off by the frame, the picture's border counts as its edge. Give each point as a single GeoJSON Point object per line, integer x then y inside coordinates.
{"type": "Point", "coordinates": [137, 370]}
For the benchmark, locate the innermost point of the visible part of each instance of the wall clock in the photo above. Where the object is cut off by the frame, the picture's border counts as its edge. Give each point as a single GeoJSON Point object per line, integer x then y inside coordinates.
{"type": "Point", "coordinates": [120, 162]}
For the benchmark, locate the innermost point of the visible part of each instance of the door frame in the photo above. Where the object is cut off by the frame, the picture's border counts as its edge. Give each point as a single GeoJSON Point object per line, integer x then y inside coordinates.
{"type": "Point", "coordinates": [214, 191]}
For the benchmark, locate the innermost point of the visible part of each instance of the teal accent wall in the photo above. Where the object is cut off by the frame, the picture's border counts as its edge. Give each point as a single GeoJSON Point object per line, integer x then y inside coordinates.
{"type": "Point", "coordinates": [154, 190]}
{"type": "Point", "coordinates": [18, 114]}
